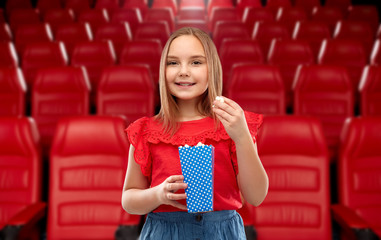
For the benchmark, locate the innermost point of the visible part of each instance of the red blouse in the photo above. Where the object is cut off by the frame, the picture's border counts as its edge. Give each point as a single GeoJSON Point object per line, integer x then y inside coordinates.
{"type": "Point", "coordinates": [158, 156]}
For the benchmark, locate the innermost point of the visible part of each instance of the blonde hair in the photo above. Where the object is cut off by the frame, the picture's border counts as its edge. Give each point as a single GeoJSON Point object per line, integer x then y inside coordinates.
{"type": "Point", "coordinates": [169, 109]}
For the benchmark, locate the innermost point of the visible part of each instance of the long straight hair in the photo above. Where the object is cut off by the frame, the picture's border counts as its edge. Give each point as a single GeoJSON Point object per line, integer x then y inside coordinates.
{"type": "Point", "coordinates": [169, 110]}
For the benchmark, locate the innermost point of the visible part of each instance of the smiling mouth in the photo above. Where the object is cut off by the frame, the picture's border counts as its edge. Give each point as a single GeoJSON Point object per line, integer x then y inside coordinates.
{"type": "Point", "coordinates": [185, 84]}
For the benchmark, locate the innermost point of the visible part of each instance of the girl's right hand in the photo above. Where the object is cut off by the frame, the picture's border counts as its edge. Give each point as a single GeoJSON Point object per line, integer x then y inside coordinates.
{"type": "Point", "coordinates": [167, 191]}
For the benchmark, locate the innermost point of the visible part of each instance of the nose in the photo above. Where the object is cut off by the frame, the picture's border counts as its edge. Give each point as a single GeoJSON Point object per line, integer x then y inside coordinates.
{"type": "Point", "coordinates": [184, 71]}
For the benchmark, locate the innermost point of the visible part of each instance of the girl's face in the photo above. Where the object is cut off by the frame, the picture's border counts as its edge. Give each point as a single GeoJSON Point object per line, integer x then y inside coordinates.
{"type": "Point", "coordinates": [186, 70]}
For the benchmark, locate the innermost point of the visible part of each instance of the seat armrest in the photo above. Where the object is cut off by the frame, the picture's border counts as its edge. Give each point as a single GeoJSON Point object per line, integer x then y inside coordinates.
{"type": "Point", "coordinates": [24, 221]}
{"type": "Point", "coordinates": [353, 226]}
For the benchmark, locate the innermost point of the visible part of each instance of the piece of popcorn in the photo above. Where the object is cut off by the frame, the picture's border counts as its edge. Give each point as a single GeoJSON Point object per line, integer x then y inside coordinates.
{"type": "Point", "coordinates": [221, 99]}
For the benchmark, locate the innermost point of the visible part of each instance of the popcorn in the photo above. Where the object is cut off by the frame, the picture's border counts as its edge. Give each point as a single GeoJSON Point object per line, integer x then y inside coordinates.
{"type": "Point", "coordinates": [197, 166]}
{"type": "Point", "coordinates": [221, 99]}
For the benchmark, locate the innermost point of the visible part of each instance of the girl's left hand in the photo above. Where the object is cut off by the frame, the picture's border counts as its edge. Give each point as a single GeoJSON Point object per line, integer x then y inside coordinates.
{"type": "Point", "coordinates": [232, 117]}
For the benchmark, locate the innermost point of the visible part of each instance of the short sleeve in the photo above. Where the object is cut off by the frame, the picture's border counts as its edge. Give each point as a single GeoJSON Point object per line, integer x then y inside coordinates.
{"type": "Point", "coordinates": [137, 135]}
{"type": "Point", "coordinates": [254, 122]}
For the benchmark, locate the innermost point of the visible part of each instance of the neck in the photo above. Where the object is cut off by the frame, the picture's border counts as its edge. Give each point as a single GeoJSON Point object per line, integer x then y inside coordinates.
{"type": "Point", "coordinates": [188, 110]}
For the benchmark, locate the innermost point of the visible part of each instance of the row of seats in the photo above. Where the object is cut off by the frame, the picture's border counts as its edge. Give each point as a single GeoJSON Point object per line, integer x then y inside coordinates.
{"type": "Point", "coordinates": [324, 91]}
{"type": "Point", "coordinates": [88, 163]}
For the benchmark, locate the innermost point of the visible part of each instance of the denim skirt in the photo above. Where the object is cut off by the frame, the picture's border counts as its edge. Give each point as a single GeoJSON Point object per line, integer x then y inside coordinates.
{"type": "Point", "coordinates": [225, 224]}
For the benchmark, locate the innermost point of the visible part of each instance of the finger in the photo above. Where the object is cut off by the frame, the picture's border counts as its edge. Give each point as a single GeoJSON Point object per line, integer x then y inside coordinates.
{"type": "Point", "coordinates": [176, 196]}
{"type": "Point", "coordinates": [179, 205]}
{"type": "Point", "coordinates": [173, 187]}
{"type": "Point", "coordinates": [222, 115]}
{"type": "Point", "coordinates": [175, 178]}
{"type": "Point", "coordinates": [224, 106]}
{"type": "Point", "coordinates": [231, 103]}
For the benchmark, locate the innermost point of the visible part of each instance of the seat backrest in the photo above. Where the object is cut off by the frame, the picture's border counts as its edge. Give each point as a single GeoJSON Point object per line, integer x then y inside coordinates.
{"type": "Point", "coordinates": [11, 5]}
{"type": "Point", "coordinates": [294, 153]}
{"type": "Point", "coordinates": [347, 53]}
{"type": "Point", "coordinates": [5, 32]}
{"type": "Point", "coordinates": [56, 17]}
{"type": "Point", "coordinates": [314, 32]}
{"type": "Point", "coordinates": [72, 33]}
{"type": "Point", "coordinates": [290, 15]}
{"type": "Point", "coordinates": [126, 90]}
{"type": "Point", "coordinates": [171, 4]}
{"type": "Point", "coordinates": [8, 54]}
{"type": "Point", "coordinates": [367, 13]}
{"type": "Point", "coordinates": [20, 166]}
{"type": "Point", "coordinates": [109, 5]}
{"type": "Point", "coordinates": [94, 55]}
{"type": "Point", "coordinates": [325, 92]}
{"type": "Point", "coordinates": [237, 51]}
{"type": "Point", "coordinates": [45, 5]}
{"type": "Point", "coordinates": [201, 24]}
{"type": "Point", "coordinates": [143, 52]}
{"type": "Point", "coordinates": [370, 91]}
{"type": "Point", "coordinates": [58, 92]}
{"type": "Point", "coordinates": [247, 4]}
{"type": "Point", "coordinates": [118, 33]}
{"type": "Point", "coordinates": [229, 29]}
{"type": "Point", "coordinates": [191, 13]}
{"type": "Point", "coordinates": [359, 169]}
{"type": "Point", "coordinates": [328, 14]}
{"type": "Point", "coordinates": [288, 54]}
{"type": "Point", "coordinates": [217, 3]}
{"type": "Point", "coordinates": [222, 14]}
{"type": "Point", "coordinates": [40, 55]}
{"type": "Point", "coordinates": [12, 92]}
{"type": "Point", "coordinates": [356, 30]}
{"type": "Point", "coordinates": [265, 32]}
{"type": "Point", "coordinates": [23, 16]}
{"type": "Point", "coordinates": [77, 5]}
{"type": "Point", "coordinates": [87, 168]}
{"type": "Point", "coordinates": [161, 14]}
{"type": "Point", "coordinates": [343, 5]}
{"type": "Point", "coordinates": [139, 4]}
{"type": "Point", "coordinates": [29, 32]}
{"type": "Point", "coordinates": [308, 5]}
{"type": "Point", "coordinates": [258, 88]}
{"type": "Point", "coordinates": [132, 16]}
{"type": "Point", "coordinates": [252, 15]}
{"type": "Point", "coordinates": [95, 17]}
{"type": "Point", "coordinates": [153, 30]}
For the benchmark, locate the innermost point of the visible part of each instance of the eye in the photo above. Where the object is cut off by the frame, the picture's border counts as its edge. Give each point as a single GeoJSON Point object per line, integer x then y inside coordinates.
{"type": "Point", "coordinates": [171, 63]}
{"type": "Point", "coordinates": [196, 62]}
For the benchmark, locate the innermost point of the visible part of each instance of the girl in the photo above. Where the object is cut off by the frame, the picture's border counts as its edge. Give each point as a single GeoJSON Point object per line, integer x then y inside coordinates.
{"type": "Point", "coordinates": [190, 80]}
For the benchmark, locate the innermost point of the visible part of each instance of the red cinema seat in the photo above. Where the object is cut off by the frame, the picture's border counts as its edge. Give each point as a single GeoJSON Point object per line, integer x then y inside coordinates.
{"type": "Point", "coordinates": [288, 55]}
{"type": "Point", "coordinates": [72, 33]}
{"type": "Point", "coordinates": [30, 33]}
{"type": "Point", "coordinates": [117, 33]}
{"type": "Point", "coordinates": [356, 30]}
{"type": "Point", "coordinates": [375, 56]}
{"type": "Point", "coordinates": [161, 14]}
{"type": "Point", "coordinates": [237, 51]}
{"type": "Point", "coordinates": [294, 153]}
{"type": "Point", "coordinates": [77, 5]}
{"type": "Point", "coordinates": [109, 5]}
{"type": "Point", "coordinates": [94, 56]}
{"type": "Point", "coordinates": [275, 5]}
{"type": "Point", "coordinates": [229, 29]}
{"type": "Point", "coordinates": [8, 55]}
{"type": "Point", "coordinates": [314, 32]}
{"type": "Point", "coordinates": [95, 17]}
{"type": "Point", "coordinates": [126, 90]}
{"type": "Point", "coordinates": [153, 30]}
{"type": "Point", "coordinates": [87, 169]}
{"type": "Point", "coordinates": [308, 5]}
{"type": "Point", "coordinates": [265, 32]}
{"type": "Point", "coordinates": [242, 5]}
{"type": "Point", "coordinates": [201, 24]}
{"type": "Point", "coordinates": [58, 92]}
{"type": "Point", "coordinates": [223, 14]}
{"type": "Point", "coordinates": [328, 14]}
{"type": "Point", "coordinates": [5, 32]}
{"type": "Point", "coordinates": [45, 5]}
{"type": "Point", "coordinates": [171, 4]}
{"type": "Point", "coordinates": [142, 5]}
{"type": "Point", "coordinates": [359, 206]}
{"type": "Point", "coordinates": [21, 173]}
{"type": "Point", "coordinates": [23, 16]}
{"type": "Point", "coordinates": [11, 5]}
{"type": "Point", "coordinates": [258, 88]}
{"type": "Point", "coordinates": [347, 53]}
{"type": "Point", "coordinates": [191, 13]}
{"type": "Point", "coordinates": [143, 52]}
{"type": "Point", "coordinates": [12, 92]}
{"type": "Point", "coordinates": [57, 17]}
{"type": "Point", "coordinates": [370, 91]}
{"type": "Point", "coordinates": [131, 16]}
{"type": "Point", "coordinates": [343, 5]}
{"type": "Point", "coordinates": [192, 3]}
{"type": "Point", "coordinates": [252, 15]}
{"type": "Point", "coordinates": [289, 16]}
{"type": "Point", "coordinates": [217, 3]}
{"type": "Point", "coordinates": [366, 13]}
{"type": "Point", "coordinates": [40, 55]}
{"type": "Point", "coordinates": [325, 92]}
